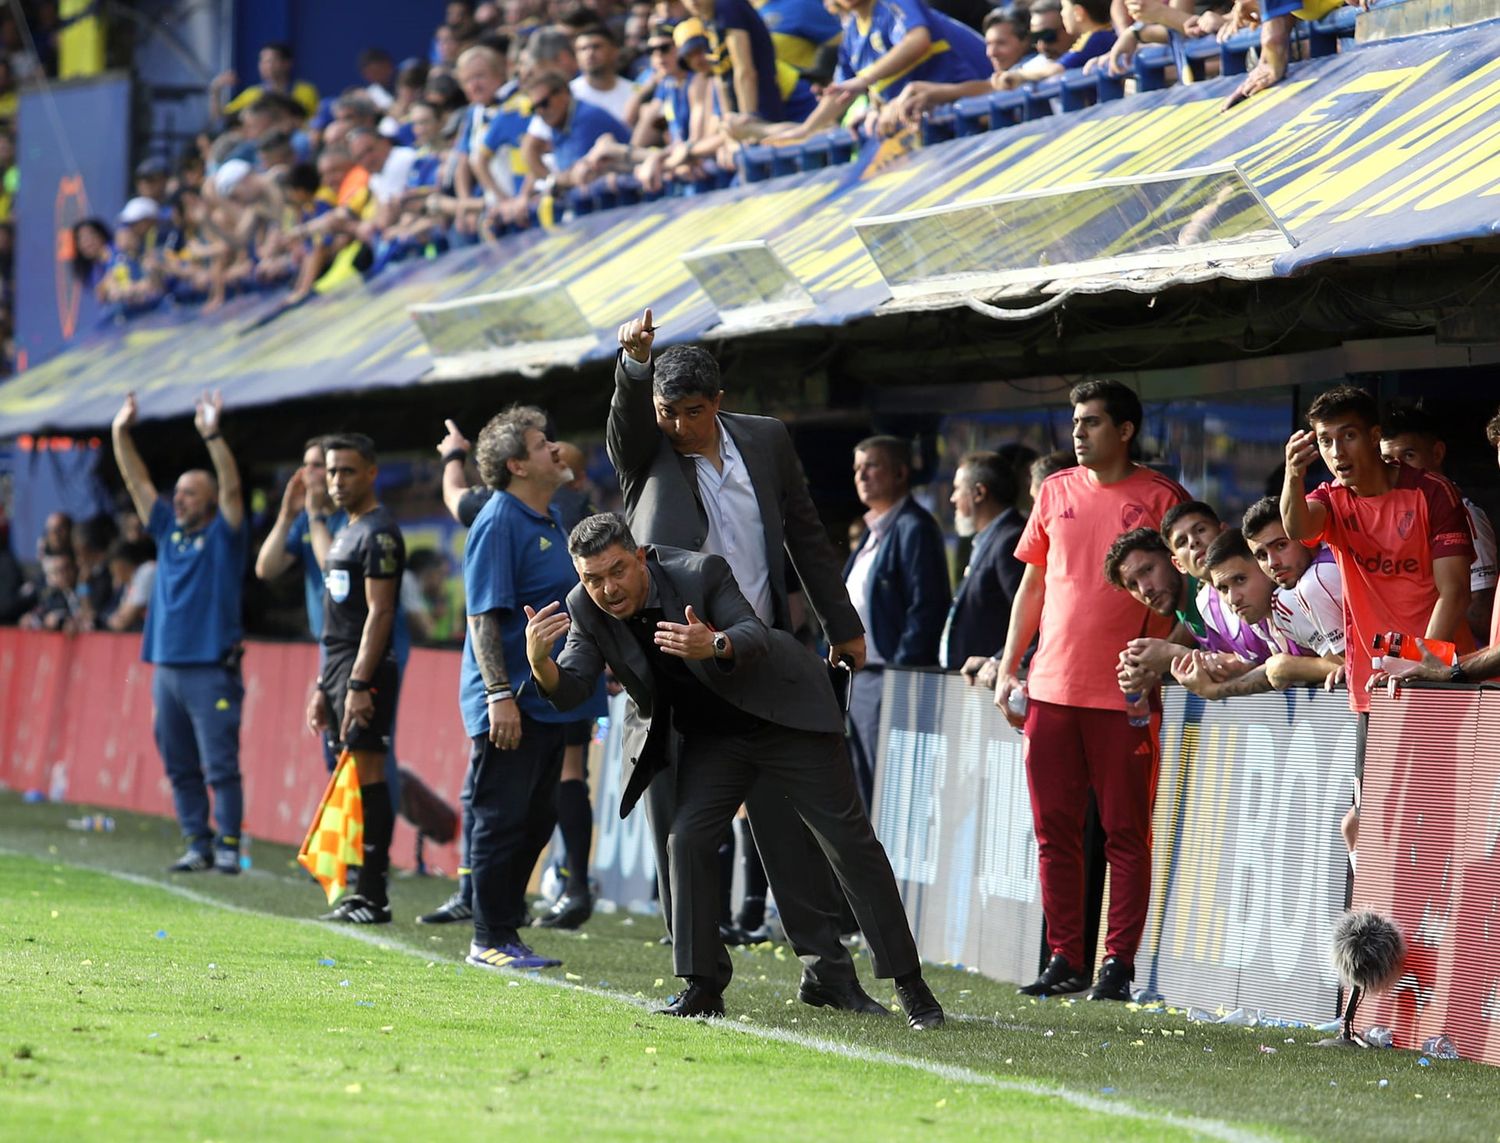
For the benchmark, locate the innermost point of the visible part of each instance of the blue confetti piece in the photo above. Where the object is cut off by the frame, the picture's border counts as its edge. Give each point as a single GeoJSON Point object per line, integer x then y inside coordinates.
{"type": "Point", "coordinates": [365, 1003]}
{"type": "Point", "coordinates": [153, 1035]}
{"type": "Point", "coordinates": [343, 984]}
{"type": "Point", "coordinates": [604, 984]}
{"type": "Point", "coordinates": [161, 934]}
{"type": "Point", "coordinates": [1424, 1062]}
{"type": "Point", "coordinates": [326, 962]}
{"type": "Point", "coordinates": [1106, 1091]}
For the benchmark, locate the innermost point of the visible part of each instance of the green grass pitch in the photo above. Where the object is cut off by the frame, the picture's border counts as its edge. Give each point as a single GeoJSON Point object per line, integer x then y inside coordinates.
{"type": "Point", "coordinates": [139, 1006]}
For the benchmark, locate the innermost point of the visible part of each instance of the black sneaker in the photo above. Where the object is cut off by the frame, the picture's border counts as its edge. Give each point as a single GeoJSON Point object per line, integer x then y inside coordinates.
{"type": "Point", "coordinates": [1059, 978]}
{"type": "Point", "coordinates": [193, 861]}
{"type": "Point", "coordinates": [227, 861]}
{"type": "Point", "coordinates": [1114, 980]}
{"type": "Point", "coordinates": [357, 910]}
{"type": "Point", "coordinates": [569, 911]}
{"type": "Point", "coordinates": [455, 908]}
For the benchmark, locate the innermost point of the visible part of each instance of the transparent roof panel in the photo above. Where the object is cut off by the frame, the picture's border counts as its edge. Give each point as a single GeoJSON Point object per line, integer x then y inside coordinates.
{"type": "Point", "coordinates": [534, 314]}
{"type": "Point", "coordinates": [746, 280]}
{"type": "Point", "coordinates": [1177, 218]}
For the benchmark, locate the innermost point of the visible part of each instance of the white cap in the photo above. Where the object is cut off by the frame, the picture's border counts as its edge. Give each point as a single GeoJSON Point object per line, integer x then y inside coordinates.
{"type": "Point", "coordinates": [140, 209]}
{"type": "Point", "coordinates": [229, 176]}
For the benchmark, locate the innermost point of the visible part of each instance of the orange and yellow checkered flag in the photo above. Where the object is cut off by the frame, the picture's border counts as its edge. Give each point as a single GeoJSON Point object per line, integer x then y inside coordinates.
{"type": "Point", "coordinates": [336, 838]}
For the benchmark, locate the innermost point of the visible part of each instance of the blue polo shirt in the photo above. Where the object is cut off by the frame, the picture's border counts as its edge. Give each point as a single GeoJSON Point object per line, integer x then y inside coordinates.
{"type": "Point", "coordinates": [299, 548]}
{"type": "Point", "coordinates": [955, 55]}
{"type": "Point", "coordinates": [194, 615]}
{"type": "Point", "coordinates": [513, 558]}
{"type": "Point", "coordinates": [586, 125]}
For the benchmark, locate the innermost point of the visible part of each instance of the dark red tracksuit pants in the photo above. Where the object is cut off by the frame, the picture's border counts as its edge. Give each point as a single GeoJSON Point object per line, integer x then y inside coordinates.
{"type": "Point", "coordinates": [1068, 750]}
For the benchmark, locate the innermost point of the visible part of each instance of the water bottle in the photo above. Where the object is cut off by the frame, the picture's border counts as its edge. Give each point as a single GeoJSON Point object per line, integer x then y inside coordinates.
{"type": "Point", "coordinates": [1137, 709]}
{"type": "Point", "coordinates": [244, 851]}
{"type": "Point", "coordinates": [1440, 1047]}
{"type": "Point", "coordinates": [1379, 1036]}
{"type": "Point", "coordinates": [57, 788]}
{"type": "Point", "coordinates": [1016, 703]}
{"type": "Point", "coordinates": [93, 823]}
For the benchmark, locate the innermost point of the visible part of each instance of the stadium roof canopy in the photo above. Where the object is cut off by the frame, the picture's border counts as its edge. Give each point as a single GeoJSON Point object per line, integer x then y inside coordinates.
{"type": "Point", "coordinates": [1390, 147]}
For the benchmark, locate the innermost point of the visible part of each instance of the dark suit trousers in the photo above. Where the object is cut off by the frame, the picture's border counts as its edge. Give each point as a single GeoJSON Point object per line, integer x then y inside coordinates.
{"type": "Point", "coordinates": [806, 895]}
{"type": "Point", "coordinates": [865, 691]}
{"type": "Point", "coordinates": [810, 774]}
{"type": "Point", "coordinates": [514, 806]}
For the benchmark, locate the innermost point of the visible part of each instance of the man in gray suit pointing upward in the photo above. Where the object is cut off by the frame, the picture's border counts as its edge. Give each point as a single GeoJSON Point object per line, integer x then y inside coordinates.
{"type": "Point", "coordinates": [754, 711]}
{"type": "Point", "coordinates": [697, 478]}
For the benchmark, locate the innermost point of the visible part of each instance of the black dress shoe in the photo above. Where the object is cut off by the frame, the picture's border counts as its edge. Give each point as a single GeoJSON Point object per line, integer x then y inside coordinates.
{"type": "Point", "coordinates": [1059, 978]}
{"type": "Point", "coordinates": [694, 1000]}
{"type": "Point", "coordinates": [845, 995]}
{"type": "Point", "coordinates": [731, 934]}
{"type": "Point", "coordinates": [1114, 980]}
{"type": "Point", "coordinates": [568, 912]}
{"type": "Point", "coordinates": [923, 1012]}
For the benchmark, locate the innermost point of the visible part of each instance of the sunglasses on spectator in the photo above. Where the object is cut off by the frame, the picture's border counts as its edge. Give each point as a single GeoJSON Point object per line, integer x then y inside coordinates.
{"type": "Point", "coordinates": [1045, 36]}
{"type": "Point", "coordinates": [659, 48]}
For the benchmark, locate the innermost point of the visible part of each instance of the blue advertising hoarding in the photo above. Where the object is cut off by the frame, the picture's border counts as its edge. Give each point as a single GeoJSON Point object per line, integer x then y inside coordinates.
{"type": "Point", "coordinates": [73, 147]}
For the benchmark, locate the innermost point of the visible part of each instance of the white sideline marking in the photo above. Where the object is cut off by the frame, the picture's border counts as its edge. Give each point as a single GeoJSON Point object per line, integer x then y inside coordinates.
{"type": "Point", "coordinates": [953, 1073]}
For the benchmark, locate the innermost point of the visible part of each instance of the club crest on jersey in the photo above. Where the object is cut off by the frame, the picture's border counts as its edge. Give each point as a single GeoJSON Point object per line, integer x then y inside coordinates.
{"type": "Point", "coordinates": [338, 584]}
{"type": "Point", "coordinates": [1132, 516]}
{"type": "Point", "coordinates": [1403, 525]}
{"type": "Point", "coordinates": [546, 543]}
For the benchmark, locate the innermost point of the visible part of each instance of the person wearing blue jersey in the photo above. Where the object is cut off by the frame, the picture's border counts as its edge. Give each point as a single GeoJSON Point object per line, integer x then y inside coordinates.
{"type": "Point", "coordinates": [563, 133]}
{"type": "Point", "coordinates": [193, 633]}
{"type": "Point", "coordinates": [746, 54]}
{"type": "Point", "coordinates": [799, 29]}
{"type": "Point", "coordinates": [481, 72]}
{"type": "Point", "coordinates": [1086, 23]}
{"type": "Point", "coordinates": [516, 557]}
{"type": "Point", "coordinates": [888, 44]}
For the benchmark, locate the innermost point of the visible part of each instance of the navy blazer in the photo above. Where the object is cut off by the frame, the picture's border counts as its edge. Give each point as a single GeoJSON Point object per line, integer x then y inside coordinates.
{"type": "Point", "coordinates": [982, 603]}
{"type": "Point", "coordinates": [909, 593]}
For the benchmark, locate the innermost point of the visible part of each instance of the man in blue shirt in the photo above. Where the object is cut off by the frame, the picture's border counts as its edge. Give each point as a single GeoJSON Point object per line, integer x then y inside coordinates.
{"type": "Point", "coordinates": [566, 127]}
{"type": "Point", "coordinates": [193, 634]}
{"type": "Point", "coordinates": [516, 556]}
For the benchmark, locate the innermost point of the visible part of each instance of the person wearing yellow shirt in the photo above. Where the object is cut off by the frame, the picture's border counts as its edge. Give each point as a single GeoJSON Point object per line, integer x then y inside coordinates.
{"type": "Point", "coordinates": [275, 66]}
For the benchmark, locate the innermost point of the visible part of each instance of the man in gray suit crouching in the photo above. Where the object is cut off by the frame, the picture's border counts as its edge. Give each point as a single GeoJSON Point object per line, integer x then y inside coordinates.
{"type": "Point", "coordinates": [752, 707]}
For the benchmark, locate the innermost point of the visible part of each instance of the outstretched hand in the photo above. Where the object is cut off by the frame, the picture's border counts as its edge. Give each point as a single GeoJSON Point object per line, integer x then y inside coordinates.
{"type": "Point", "coordinates": [691, 640]}
{"type": "Point", "coordinates": [543, 629]}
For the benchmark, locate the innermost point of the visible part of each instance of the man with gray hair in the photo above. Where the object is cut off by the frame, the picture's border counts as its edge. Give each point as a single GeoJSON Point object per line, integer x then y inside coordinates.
{"type": "Point", "coordinates": [515, 557]}
{"type": "Point", "coordinates": [897, 578]}
{"type": "Point", "coordinates": [696, 478]}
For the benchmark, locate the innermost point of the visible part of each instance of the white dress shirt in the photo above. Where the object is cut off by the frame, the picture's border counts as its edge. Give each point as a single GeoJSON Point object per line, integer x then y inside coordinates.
{"type": "Point", "coordinates": [858, 580]}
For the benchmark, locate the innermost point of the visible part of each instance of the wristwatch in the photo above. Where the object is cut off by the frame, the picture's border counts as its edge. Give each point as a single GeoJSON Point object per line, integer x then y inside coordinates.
{"type": "Point", "coordinates": [358, 685]}
{"type": "Point", "coordinates": [1457, 674]}
{"type": "Point", "coordinates": [721, 645]}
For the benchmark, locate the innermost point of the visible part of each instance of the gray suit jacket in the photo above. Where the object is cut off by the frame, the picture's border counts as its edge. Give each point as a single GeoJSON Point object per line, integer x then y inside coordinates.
{"type": "Point", "coordinates": [771, 676]}
{"type": "Point", "coordinates": [663, 504]}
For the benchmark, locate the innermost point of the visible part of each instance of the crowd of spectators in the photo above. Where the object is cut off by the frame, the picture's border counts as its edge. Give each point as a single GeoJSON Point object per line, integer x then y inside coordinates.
{"type": "Point", "coordinates": [514, 107]}
{"type": "Point", "coordinates": [89, 575]}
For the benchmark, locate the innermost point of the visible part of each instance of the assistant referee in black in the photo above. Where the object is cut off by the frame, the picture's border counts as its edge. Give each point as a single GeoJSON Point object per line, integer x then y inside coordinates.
{"type": "Point", "coordinates": [354, 701]}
